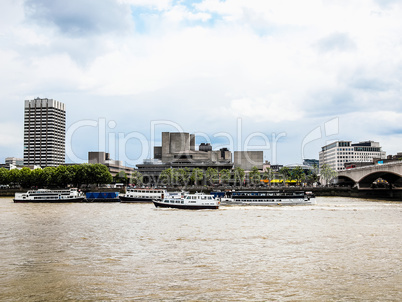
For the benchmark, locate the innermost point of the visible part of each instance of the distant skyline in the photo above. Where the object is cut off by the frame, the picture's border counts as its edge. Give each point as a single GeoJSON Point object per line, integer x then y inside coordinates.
{"type": "Point", "coordinates": [296, 74]}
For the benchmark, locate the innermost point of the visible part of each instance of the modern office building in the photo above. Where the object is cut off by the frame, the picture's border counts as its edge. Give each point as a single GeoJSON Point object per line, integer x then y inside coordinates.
{"type": "Point", "coordinates": [311, 162]}
{"type": "Point", "coordinates": [14, 161]}
{"type": "Point", "coordinates": [339, 153]}
{"type": "Point", "coordinates": [44, 132]}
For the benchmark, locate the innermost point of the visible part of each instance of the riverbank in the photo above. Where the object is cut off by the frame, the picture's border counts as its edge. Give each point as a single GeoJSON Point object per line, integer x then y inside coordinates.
{"type": "Point", "coordinates": [386, 194]}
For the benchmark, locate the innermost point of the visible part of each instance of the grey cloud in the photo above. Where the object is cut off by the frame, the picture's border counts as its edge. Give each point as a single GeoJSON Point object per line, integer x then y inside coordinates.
{"type": "Point", "coordinates": [336, 42]}
{"type": "Point", "coordinates": [79, 17]}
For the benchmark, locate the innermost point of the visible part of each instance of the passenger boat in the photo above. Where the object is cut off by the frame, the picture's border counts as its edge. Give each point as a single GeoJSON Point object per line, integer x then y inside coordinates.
{"type": "Point", "coordinates": [267, 198]}
{"type": "Point", "coordinates": [197, 201]}
{"type": "Point", "coordinates": [142, 195]}
{"type": "Point", "coordinates": [44, 195]}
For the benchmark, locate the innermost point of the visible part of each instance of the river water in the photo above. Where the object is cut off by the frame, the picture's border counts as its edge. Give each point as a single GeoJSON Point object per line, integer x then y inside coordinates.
{"type": "Point", "coordinates": [337, 250]}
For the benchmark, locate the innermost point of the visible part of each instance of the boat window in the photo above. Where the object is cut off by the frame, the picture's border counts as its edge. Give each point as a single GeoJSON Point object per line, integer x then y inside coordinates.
{"type": "Point", "coordinates": [188, 197]}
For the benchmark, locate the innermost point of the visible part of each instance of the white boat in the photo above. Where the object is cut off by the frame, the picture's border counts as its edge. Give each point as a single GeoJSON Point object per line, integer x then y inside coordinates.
{"type": "Point", "coordinates": [142, 195]}
{"type": "Point", "coordinates": [197, 201]}
{"type": "Point", "coordinates": [267, 198]}
{"type": "Point", "coordinates": [44, 195]}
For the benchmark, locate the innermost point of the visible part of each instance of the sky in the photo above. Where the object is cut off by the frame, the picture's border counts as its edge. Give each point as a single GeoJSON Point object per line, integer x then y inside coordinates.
{"type": "Point", "coordinates": [286, 77]}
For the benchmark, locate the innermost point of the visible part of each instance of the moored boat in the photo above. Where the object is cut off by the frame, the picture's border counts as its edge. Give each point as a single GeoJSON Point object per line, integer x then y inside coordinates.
{"type": "Point", "coordinates": [267, 198]}
{"type": "Point", "coordinates": [197, 201]}
{"type": "Point", "coordinates": [102, 197]}
{"type": "Point", "coordinates": [44, 195]}
{"type": "Point", "coordinates": [142, 195]}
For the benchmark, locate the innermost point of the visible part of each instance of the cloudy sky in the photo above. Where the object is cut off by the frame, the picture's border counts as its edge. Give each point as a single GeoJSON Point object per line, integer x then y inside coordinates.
{"type": "Point", "coordinates": [282, 76]}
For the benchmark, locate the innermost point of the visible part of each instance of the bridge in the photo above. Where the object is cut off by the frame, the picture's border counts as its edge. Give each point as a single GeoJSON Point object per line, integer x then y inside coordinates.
{"type": "Point", "coordinates": [364, 177]}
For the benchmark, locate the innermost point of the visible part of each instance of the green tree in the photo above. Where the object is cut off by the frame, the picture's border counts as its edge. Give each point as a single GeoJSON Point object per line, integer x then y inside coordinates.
{"type": "Point", "coordinates": [4, 176]}
{"type": "Point", "coordinates": [182, 176]}
{"type": "Point", "coordinates": [298, 174]}
{"type": "Point", "coordinates": [14, 177]}
{"type": "Point", "coordinates": [224, 175]}
{"type": "Point", "coordinates": [254, 175]}
{"type": "Point", "coordinates": [102, 174]}
{"type": "Point", "coordinates": [327, 173]}
{"type": "Point", "coordinates": [136, 178]}
{"type": "Point", "coordinates": [285, 172]}
{"type": "Point", "coordinates": [36, 178]}
{"type": "Point", "coordinates": [238, 175]}
{"type": "Point", "coordinates": [121, 177]}
{"type": "Point", "coordinates": [49, 176]}
{"type": "Point", "coordinates": [212, 175]}
{"type": "Point", "coordinates": [166, 176]}
{"type": "Point", "coordinates": [197, 175]}
{"type": "Point", "coordinates": [25, 177]}
{"type": "Point", "coordinates": [268, 175]}
{"type": "Point", "coordinates": [81, 175]}
{"type": "Point", "coordinates": [62, 177]}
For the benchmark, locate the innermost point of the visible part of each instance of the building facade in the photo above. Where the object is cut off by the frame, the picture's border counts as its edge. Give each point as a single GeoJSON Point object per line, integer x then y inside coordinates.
{"type": "Point", "coordinates": [114, 166]}
{"type": "Point", "coordinates": [338, 154]}
{"type": "Point", "coordinates": [246, 160]}
{"type": "Point", "coordinates": [44, 132]}
{"type": "Point", "coordinates": [178, 151]}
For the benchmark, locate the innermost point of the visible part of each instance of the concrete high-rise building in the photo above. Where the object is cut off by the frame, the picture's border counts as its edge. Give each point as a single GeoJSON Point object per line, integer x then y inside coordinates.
{"type": "Point", "coordinates": [339, 153]}
{"type": "Point", "coordinates": [44, 132]}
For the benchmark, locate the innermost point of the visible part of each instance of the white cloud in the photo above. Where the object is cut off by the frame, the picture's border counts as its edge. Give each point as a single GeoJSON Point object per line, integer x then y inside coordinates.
{"type": "Point", "coordinates": [279, 63]}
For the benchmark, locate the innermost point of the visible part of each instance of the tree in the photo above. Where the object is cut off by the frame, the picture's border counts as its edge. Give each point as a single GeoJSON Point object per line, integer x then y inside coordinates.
{"type": "Point", "coordinates": [37, 178]}
{"type": "Point", "coordinates": [4, 176]}
{"type": "Point", "coordinates": [196, 175]}
{"type": "Point", "coordinates": [298, 174]}
{"type": "Point", "coordinates": [268, 175]}
{"type": "Point", "coordinates": [327, 173]}
{"type": "Point", "coordinates": [62, 177]}
{"type": "Point", "coordinates": [121, 177]}
{"type": "Point", "coordinates": [284, 171]}
{"type": "Point", "coordinates": [14, 177]}
{"type": "Point", "coordinates": [166, 176]}
{"type": "Point", "coordinates": [182, 176]}
{"type": "Point", "coordinates": [48, 176]}
{"type": "Point", "coordinates": [312, 175]}
{"type": "Point", "coordinates": [102, 174]}
{"type": "Point", "coordinates": [136, 178]}
{"type": "Point", "coordinates": [212, 175]}
{"type": "Point", "coordinates": [224, 175]}
{"type": "Point", "coordinates": [238, 175]}
{"type": "Point", "coordinates": [254, 175]}
{"type": "Point", "coordinates": [25, 177]}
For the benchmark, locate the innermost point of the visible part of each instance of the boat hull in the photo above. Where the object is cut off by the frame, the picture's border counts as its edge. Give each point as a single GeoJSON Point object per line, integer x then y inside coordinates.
{"type": "Point", "coordinates": [135, 199]}
{"type": "Point", "coordinates": [184, 206]}
{"type": "Point", "coordinates": [61, 200]}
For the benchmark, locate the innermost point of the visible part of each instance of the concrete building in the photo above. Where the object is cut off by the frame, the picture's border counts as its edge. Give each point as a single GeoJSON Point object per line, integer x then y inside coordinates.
{"type": "Point", "coordinates": [248, 159]}
{"type": "Point", "coordinates": [178, 151]}
{"type": "Point", "coordinates": [180, 147]}
{"type": "Point", "coordinates": [44, 132]}
{"type": "Point", "coordinates": [338, 153]}
{"type": "Point", "coordinates": [14, 161]}
{"type": "Point", "coordinates": [114, 166]}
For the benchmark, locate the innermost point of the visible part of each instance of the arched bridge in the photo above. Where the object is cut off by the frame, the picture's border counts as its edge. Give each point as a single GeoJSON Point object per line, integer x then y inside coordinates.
{"type": "Point", "coordinates": [365, 176]}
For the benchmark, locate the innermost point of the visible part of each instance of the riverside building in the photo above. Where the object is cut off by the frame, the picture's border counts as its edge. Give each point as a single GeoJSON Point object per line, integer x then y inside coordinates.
{"type": "Point", "coordinates": [44, 132]}
{"type": "Point", "coordinates": [338, 153]}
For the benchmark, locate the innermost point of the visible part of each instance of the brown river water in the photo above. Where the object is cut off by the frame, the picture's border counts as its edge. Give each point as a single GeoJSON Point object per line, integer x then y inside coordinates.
{"type": "Point", "coordinates": [340, 249]}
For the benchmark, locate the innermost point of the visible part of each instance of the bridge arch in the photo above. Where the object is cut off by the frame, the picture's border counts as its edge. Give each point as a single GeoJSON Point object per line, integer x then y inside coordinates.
{"type": "Point", "coordinates": [391, 177]}
{"type": "Point", "coordinates": [344, 180]}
